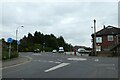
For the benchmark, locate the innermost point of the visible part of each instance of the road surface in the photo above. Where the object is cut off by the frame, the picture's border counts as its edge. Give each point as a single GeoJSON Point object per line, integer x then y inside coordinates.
{"type": "Point", "coordinates": [56, 65]}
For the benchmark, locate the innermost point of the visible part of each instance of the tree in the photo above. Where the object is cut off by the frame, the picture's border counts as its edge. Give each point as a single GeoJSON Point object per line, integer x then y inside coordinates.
{"type": "Point", "coordinates": [39, 40]}
{"type": "Point", "coordinates": [61, 41]}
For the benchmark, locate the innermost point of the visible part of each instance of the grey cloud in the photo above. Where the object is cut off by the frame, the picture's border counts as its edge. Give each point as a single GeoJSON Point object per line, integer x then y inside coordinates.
{"type": "Point", "coordinates": [72, 20]}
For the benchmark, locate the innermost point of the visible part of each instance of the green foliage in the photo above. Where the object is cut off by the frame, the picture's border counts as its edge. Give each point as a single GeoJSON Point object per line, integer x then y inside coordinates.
{"type": "Point", "coordinates": [5, 52]}
{"type": "Point", "coordinates": [48, 49]}
{"type": "Point", "coordinates": [41, 42]}
{"type": "Point", "coordinates": [14, 54]}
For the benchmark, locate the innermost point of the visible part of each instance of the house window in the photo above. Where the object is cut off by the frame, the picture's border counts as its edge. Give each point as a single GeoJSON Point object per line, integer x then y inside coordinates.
{"type": "Point", "coordinates": [98, 48]}
{"type": "Point", "coordinates": [110, 37]}
{"type": "Point", "coordinates": [98, 39]}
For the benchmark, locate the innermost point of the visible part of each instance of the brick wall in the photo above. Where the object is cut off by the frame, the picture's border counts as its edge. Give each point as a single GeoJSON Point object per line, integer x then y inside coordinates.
{"type": "Point", "coordinates": [107, 44]}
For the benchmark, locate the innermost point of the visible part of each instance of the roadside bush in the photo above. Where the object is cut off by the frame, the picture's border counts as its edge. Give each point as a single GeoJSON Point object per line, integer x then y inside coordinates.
{"type": "Point", "coordinates": [48, 49]}
{"type": "Point", "coordinates": [14, 54]}
{"type": "Point", "coordinates": [5, 51]}
{"type": "Point", "coordinates": [5, 55]}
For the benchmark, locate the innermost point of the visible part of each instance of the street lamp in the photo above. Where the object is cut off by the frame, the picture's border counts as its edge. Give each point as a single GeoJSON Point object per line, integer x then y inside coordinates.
{"type": "Point", "coordinates": [17, 35]}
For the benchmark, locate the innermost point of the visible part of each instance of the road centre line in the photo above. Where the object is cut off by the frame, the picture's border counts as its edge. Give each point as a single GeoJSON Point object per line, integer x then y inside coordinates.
{"type": "Point", "coordinates": [56, 67]}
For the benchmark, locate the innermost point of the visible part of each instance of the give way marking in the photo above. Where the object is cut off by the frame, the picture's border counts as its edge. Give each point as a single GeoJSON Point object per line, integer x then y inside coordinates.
{"type": "Point", "coordinates": [56, 67]}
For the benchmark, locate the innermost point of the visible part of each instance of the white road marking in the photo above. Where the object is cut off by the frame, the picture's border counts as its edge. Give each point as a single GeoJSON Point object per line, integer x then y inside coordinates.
{"type": "Point", "coordinates": [57, 62]}
{"type": "Point", "coordinates": [106, 64]}
{"type": "Point", "coordinates": [96, 60]}
{"type": "Point", "coordinates": [77, 59]}
{"type": "Point", "coordinates": [37, 54]}
{"type": "Point", "coordinates": [56, 67]}
{"type": "Point", "coordinates": [46, 61]}
{"type": "Point", "coordinates": [51, 61]}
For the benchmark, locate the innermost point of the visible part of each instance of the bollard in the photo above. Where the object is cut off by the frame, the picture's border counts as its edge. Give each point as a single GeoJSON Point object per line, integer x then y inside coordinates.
{"type": "Point", "coordinates": [75, 52]}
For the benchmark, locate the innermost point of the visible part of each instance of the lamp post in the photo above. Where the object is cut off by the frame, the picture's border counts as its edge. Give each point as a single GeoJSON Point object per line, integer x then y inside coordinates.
{"type": "Point", "coordinates": [17, 36]}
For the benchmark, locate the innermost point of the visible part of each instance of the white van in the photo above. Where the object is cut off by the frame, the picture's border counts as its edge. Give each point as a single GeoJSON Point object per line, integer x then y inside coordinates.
{"type": "Point", "coordinates": [61, 50]}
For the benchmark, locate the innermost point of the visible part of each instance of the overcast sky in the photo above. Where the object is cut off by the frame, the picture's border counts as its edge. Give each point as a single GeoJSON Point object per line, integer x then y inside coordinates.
{"type": "Point", "coordinates": [71, 19]}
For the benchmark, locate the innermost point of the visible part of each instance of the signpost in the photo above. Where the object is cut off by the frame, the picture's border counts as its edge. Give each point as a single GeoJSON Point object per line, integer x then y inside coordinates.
{"type": "Point", "coordinates": [9, 40]}
{"type": "Point", "coordinates": [18, 42]}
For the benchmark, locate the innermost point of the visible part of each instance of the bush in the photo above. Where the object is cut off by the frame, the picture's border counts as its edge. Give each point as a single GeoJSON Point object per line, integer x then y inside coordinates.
{"type": "Point", "coordinates": [14, 54]}
{"type": "Point", "coordinates": [48, 49]}
{"type": "Point", "coordinates": [5, 55]}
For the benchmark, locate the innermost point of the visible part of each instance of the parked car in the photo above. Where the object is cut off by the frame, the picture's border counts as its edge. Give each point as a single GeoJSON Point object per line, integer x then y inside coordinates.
{"type": "Point", "coordinates": [36, 50]}
{"type": "Point", "coordinates": [61, 50]}
{"type": "Point", "coordinates": [54, 51]}
{"type": "Point", "coordinates": [82, 50]}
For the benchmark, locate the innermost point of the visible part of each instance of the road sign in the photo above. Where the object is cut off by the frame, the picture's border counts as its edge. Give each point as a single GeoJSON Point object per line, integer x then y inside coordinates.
{"type": "Point", "coordinates": [9, 40]}
{"type": "Point", "coordinates": [18, 42]}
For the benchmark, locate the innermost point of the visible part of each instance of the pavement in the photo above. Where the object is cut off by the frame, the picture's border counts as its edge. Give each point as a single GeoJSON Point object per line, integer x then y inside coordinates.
{"type": "Point", "coordinates": [15, 61]}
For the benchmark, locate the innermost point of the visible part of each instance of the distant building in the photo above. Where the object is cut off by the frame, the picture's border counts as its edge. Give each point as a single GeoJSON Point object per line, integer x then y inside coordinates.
{"type": "Point", "coordinates": [107, 39]}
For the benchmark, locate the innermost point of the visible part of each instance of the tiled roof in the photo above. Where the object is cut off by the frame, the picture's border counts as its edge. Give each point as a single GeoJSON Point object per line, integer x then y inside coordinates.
{"type": "Point", "coordinates": [108, 30]}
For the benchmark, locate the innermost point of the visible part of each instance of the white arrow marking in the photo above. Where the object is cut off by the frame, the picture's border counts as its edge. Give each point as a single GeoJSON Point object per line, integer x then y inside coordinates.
{"type": "Point", "coordinates": [56, 67]}
{"type": "Point", "coordinates": [96, 59]}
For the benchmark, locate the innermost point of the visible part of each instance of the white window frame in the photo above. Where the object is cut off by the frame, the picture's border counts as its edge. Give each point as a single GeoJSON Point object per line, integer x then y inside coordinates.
{"type": "Point", "coordinates": [98, 39]}
{"type": "Point", "coordinates": [110, 38]}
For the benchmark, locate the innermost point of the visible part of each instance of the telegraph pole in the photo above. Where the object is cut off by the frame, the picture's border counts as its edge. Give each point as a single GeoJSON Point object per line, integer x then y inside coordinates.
{"type": "Point", "coordinates": [94, 37]}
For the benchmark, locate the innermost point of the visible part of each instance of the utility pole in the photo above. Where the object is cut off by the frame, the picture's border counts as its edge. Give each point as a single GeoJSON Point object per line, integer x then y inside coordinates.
{"type": "Point", "coordinates": [16, 38]}
{"type": "Point", "coordinates": [94, 38]}
{"type": "Point", "coordinates": [92, 52]}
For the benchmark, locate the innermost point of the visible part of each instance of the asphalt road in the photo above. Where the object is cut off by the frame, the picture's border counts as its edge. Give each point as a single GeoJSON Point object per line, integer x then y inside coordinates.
{"type": "Point", "coordinates": [56, 65]}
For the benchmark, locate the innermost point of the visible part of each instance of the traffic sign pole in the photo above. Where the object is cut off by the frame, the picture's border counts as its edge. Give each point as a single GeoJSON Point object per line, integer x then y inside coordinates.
{"type": "Point", "coordinates": [18, 43]}
{"type": "Point", "coordinates": [9, 50]}
{"type": "Point", "coordinates": [9, 40]}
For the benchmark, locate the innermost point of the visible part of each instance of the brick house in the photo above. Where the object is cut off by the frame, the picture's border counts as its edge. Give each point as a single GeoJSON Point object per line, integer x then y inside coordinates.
{"type": "Point", "coordinates": [107, 39]}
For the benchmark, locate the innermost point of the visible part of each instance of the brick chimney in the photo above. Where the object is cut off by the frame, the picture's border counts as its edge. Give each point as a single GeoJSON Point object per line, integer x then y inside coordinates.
{"type": "Point", "coordinates": [103, 26]}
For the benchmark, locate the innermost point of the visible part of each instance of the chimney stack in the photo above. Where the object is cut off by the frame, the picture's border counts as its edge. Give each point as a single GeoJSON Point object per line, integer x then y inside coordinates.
{"type": "Point", "coordinates": [103, 26]}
